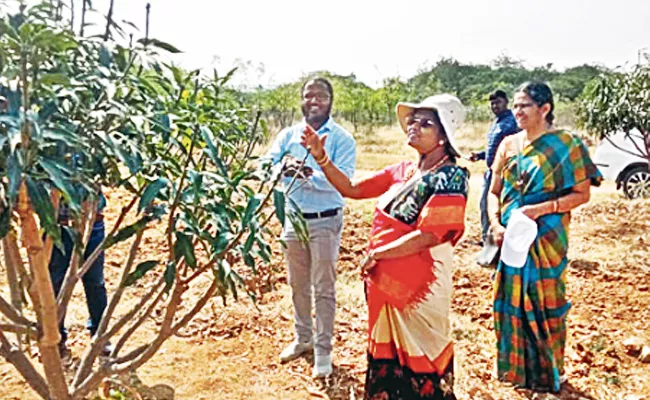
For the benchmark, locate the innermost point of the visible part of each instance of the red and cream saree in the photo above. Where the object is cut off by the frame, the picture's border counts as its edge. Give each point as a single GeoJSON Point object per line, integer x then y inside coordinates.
{"type": "Point", "coordinates": [409, 298]}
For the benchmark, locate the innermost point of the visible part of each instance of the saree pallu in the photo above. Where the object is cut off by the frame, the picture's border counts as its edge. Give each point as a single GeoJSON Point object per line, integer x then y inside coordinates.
{"type": "Point", "coordinates": [530, 304]}
{"type": "Point", "coordinates": [409, 299]}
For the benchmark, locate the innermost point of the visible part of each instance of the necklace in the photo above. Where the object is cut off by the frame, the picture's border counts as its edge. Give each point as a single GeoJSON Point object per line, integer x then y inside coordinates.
{"type": "Point", "coordinates": [411, 171]}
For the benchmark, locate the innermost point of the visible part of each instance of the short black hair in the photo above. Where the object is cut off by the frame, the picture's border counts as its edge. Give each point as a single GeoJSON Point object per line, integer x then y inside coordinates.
{"type": "Point", "coordinates": [321, 81]}
{"type": "Point", "coordinates": [499, 94]}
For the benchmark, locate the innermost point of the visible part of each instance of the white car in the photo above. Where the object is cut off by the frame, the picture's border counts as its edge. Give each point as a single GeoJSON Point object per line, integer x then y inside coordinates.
{"type": "Point", "coordinates": [621, 161]}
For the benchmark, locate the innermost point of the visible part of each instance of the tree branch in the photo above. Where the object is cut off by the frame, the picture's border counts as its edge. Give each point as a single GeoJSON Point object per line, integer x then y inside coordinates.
{"type": "Point", "coordinates": [66, 290]}
{"type": "Point", "coordinates": [99, 341]}
{"type": "Point", "coordinates": [10, 312]}
{"type": "Point", "coordinates": [109, 21]}
{"type": "Point", "coordinates": [71, 276]}
{"type": "Point", "coordinates": [143, 317]}
{"type": "Point", "coordinates": [17, 358]}
{"type": "Point", "coordinates": [48, 342]}
{"type": "Point", "coordinates": [20, 330]}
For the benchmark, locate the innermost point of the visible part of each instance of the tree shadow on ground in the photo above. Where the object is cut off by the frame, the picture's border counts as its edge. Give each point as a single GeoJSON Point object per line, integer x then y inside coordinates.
{"type": "Point", "coordinates": [132, 382]}
{"type": "Point", "coordinates": [568, 392]}
{"type": "Point", "coordinates": [340, 385]}
{"type": "Point", "coordinates": [583, 265]}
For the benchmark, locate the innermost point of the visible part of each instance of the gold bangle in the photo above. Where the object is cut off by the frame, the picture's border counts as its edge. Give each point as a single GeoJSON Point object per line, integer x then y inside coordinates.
{"type": "Point", "coordinates": [556, 206]}
{"type": "Point", "coordinates": [322, 159]}
{"type": "Point", "coordinates": [323, 165]}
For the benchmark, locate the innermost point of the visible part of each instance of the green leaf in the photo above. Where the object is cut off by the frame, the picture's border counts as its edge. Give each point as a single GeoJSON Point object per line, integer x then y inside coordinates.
{"type": "Point", "coordinates": [279, 202]}
{"type": "Point", "coordinates": [160, 44]}
{"type": "Point", "coordinates": [250, 241]}
{"type": "Point", "coordinates": [14, 172]}
{"type": "Point", "coordinates": [183, 247]}
{"type": "Point", "coordinates": [40, 199]}
{"type": "Point", "coordinates": [139, 272]}
{"type": "Point", "coordinates": [59, 175]}
{"type": "Point", "coordinates": [211, 148]}
{"type": "Point", "coordinates": [55, 79]}
{"type": "Point", "coordinates": [151, 192]}
{"type": "Point", "coordinates": [125, 233]}
{"type": "Point", "coordinates": [251, 207]}
{"type": "Point", "coordinates": [170, 274]}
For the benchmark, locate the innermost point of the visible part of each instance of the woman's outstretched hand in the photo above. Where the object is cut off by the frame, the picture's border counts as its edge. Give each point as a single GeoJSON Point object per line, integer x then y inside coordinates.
{"type": "Point", "coordinates": [314, 144]}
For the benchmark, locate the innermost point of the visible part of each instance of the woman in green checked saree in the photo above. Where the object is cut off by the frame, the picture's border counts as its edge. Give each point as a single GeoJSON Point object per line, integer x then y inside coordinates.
{"type": "Point", "coordinates": [545, 173]}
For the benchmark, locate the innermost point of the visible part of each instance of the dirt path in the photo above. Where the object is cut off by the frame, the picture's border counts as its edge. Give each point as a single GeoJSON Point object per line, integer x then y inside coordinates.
{"type": "Point", "coordinates": [231, 351]}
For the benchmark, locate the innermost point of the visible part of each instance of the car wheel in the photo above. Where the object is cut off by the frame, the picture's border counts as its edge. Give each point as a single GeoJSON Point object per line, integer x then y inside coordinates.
{"type": "Point", "coordinates": [636, 183]}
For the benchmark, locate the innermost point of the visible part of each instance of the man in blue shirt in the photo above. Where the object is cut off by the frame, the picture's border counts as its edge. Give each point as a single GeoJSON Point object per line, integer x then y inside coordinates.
{"type": "Point", "coordinates": [314, 264]}
{"type": "Point", "coordinates": [504, 125]}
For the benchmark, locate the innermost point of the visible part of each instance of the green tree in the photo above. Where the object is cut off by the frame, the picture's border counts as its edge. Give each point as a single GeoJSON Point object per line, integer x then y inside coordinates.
{"type": "Point", "coordinates": [82, 113]}
{"type": "Point", "coordinates": [619, 103]}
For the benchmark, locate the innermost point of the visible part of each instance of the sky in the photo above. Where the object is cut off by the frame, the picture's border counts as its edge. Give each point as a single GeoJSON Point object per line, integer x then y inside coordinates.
{"type": "Point", "coordinates": [278, 41]}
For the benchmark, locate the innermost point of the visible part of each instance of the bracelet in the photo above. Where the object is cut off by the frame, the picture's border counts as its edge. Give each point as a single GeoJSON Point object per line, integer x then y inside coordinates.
{"type": "Point", "coordinates": [556, 206]}
{"type": "Point", "coordinates": [322, 159]}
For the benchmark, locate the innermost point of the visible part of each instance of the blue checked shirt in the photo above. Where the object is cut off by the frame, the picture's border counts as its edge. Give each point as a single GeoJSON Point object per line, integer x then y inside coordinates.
{"type": "Point", "coordinates": [504, 125]}
{"type": "Point", "coordinates": [316, 193]}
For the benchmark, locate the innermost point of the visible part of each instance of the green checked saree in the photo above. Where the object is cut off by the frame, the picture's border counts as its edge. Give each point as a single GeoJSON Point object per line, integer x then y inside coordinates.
{"type": "Point", "coordinates": [530, 305]}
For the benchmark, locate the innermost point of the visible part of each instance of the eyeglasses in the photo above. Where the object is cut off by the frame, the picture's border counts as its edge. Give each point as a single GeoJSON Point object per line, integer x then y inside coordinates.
{"type": "Point", "coordinates": [317, 96]}
{"type": "Point", "coordinates": [423, 122]}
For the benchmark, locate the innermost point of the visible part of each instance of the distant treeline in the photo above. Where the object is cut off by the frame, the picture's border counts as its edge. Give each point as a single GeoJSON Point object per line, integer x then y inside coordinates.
{"type": "Point", "coordinates": [365, 107]}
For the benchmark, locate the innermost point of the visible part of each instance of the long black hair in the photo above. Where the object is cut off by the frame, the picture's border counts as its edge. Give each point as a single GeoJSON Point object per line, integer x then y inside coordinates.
{"type": "Point", "coordinates": [541, 94]}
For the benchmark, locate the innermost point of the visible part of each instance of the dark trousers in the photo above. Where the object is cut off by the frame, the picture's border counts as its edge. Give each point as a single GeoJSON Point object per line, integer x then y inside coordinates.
{"type": "Point", "coordinates": [93, 280]}
{"type": "Point", "coordinates": [485, 219]}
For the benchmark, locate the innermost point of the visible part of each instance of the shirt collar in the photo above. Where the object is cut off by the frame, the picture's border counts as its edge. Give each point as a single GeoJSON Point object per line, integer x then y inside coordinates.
{"type": "Point", "coordinates": [327, 126]}
{"type": "Point", "coordinates": [504, 114]}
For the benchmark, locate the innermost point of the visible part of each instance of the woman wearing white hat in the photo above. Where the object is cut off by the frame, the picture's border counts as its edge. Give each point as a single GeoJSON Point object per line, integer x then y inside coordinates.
{"type": "Point", "coordinates": [418, 219]}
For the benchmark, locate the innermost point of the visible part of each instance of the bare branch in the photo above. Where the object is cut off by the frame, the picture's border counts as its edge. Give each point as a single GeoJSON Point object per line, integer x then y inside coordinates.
{"type": "Point", "coordinates": [71, 276]}
{"type": "Point", "coordinates": [84, 9]}
{"type": "Point", "coordinates": [17, 358]}
{"type": "Point", "coordinates": [134, 326]}
{"type": "Point", "coordinates": [66, 290]}
{"type": "Point", "coordinates": [109, 21]}
{"type": "Point", "coordinates": [146, 31]}
{"type": "Point", "coordinates": [164, 333]}
{"type": "Point", "coordinates": [198, 306]}
{"type": "Point", "coordinates": [10, 312]}
{"type": "Point", "coordinates": [99, 341]}
{"type": "Point", "coordinates": [20, 330]}
{"type": "Point", "coordinates": [621, 148]}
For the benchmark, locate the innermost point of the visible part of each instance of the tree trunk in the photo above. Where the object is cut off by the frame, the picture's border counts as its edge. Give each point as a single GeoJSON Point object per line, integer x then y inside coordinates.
{"type": "Point", "coordinates": [12, 258]}
{"type": "Point", "coordinates": [50, 337]}
{"type": "Point", "coordinates": [109, 21]}
{"type": "Point", "coordinates": [84, 9]}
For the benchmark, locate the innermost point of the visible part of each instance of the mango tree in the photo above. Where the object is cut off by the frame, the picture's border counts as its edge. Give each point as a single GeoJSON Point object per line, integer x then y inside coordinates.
{"type": "Point", "coordinates": [82, 114]}
{"type": "Point", "coordinates": [619, 104]}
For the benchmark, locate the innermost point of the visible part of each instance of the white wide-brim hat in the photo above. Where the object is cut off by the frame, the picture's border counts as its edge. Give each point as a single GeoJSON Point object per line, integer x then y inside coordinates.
{"type": "Point", "coordinates": [450, 111]}
{"type": "Point", "coordinates": [519, 236]}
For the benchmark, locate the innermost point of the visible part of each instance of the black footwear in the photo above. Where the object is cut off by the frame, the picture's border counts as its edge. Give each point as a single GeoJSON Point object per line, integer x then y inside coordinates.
{"type": "Point", "coordinates": [64, 351]}
{"type": "Point", "coordinates": [108, 349]}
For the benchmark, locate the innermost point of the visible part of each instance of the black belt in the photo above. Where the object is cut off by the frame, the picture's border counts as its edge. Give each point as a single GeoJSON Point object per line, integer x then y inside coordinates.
{"type": "Point", "coordinates": [321, 214]}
